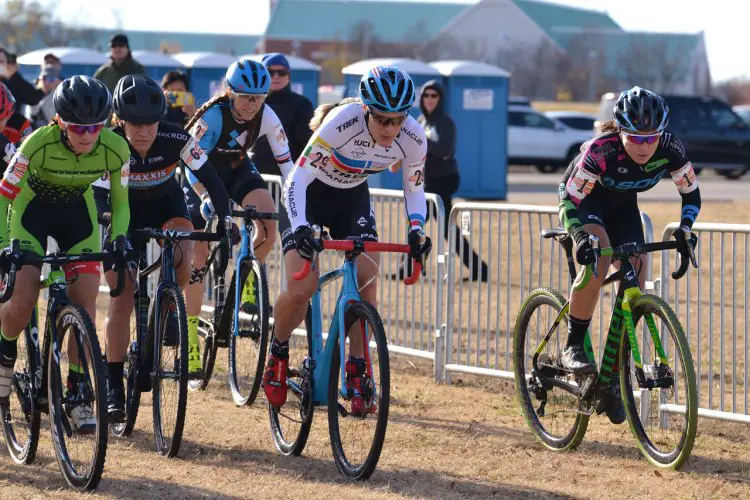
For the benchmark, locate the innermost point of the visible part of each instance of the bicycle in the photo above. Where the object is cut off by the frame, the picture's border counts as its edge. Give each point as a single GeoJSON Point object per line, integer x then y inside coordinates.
{"type": "Point", "coordinates": [149, 364]}
{"type": "Point", "coordinates": [649, 417]}
{"type": "Point", "coordinates": [320, 379]}
{"type": "Point", "coordinates": [38, 382]}
{"type": "Point", "coordinates": [225, 328]}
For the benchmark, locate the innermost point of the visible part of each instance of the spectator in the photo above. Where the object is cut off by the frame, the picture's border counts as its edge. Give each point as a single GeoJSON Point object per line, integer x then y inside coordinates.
{"type": "Point", "coordinates": [49, 79]}
{"type": "Point", "coordinates": [24, 92]}
{"type": "Point", "coordinates": [441, 170]}
{"type": "Point", "coordinates": [294, 111]}
{"type": "Point", "coordinates": [51, 59]}
{"type": "Point", "coordinates": [175, 85]}
{"type": "Point", "coordinates": [121, 63]}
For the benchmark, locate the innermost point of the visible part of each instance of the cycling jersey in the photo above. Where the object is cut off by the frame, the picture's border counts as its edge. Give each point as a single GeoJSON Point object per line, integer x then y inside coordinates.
{"type": "Point", "coordinates": [603, 164]}
{"type": "Point", "coordinates": [18, 128]}
{"type": "Point", "coordinates": [342, 154]}
{"type": "Point", "coordinates": [44, 169]}
{"type": "Point", "coordinates": [7, 150]}
{"type": "Point", "coordinates": [226, 140]}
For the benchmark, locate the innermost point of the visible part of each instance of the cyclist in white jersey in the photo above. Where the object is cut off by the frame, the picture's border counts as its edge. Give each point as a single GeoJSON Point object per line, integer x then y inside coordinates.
{"type": "Point", "coordinates": [328, 186]}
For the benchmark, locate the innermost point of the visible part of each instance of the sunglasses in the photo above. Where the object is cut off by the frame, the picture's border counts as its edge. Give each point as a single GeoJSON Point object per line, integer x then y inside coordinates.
{"type": "Point", "coordinates": [385, 121]}
{"type": "Point", "coordinates": [250, 97]}
{"type": "Point", "coordinates": [278, 72]}
{"type": "Point", "coordinates": [431, 96]}
{"type": "Point", "coordinates": [83, 129]}
{"type": "Point", "coordinates": [642, 139]}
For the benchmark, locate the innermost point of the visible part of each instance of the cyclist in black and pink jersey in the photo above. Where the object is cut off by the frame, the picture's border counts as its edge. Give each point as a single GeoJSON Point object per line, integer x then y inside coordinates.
{"type": "Point", "coordinates": [599, 196]}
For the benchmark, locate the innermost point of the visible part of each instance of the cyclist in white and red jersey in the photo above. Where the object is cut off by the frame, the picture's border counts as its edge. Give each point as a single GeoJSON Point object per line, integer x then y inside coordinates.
{"type": "Point", "coordinates": [328, 187]}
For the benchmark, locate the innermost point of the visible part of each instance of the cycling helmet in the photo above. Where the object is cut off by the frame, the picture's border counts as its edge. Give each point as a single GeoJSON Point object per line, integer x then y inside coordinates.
{"type": "Point", "coordinates": [82, 100]}
{"type": "Point", "coordinates": [640, 110]}
{"type": "Point", "coordinates": [139, 99]}
{"type": "Point", "coordinates": [7, 102]}
{"type": "Point", "coordinates": [387, 88]}
{"type": "Point", "coordinates": [248, 77]}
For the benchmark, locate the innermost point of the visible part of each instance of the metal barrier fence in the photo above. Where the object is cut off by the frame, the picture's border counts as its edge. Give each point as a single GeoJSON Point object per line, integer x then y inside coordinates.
{"type": "Point", "coordinates": [481, 315]}
{"type": "Point", "coordinates": [712, 305]}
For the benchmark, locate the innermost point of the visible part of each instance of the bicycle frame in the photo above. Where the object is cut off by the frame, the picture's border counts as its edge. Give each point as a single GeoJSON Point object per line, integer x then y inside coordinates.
{"type": "Point", "coordinates": [246, 252]}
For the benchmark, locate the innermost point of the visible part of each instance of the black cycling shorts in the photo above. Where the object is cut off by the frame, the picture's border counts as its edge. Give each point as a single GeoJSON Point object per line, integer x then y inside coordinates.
{"type": "Point", "coordinates": [347, 213]}
{"type": "Point", "coordinates": [238, 181]}
{"type": "Point", "coordinates": [616, 212]}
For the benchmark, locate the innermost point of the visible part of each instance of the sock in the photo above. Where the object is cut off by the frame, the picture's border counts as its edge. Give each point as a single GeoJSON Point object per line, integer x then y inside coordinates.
{"type": "Point", "coordinates": [8, 347]}
{"type": "Point", "coordinates": [115, 370]}
{"type": "Point", "coordinates": [280, 349]}
{"type": "Point", "coordinates": [577, 330]}
{"type": "Point", "coordinates": [192, 330]}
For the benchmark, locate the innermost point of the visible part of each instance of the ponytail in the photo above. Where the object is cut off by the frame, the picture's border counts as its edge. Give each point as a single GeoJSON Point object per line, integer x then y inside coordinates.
{"type": "Point", "coordinates": [218, 98]}
{"type": "Point", "coordinates": [609, 126]}
{"type": "Point", "coordinates": [322, 111]}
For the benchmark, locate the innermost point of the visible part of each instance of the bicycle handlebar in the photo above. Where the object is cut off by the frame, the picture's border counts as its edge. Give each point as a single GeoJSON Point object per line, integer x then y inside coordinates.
{"type": "Point", "coordinates": [173, 235]}
{"type": "Point", "coordinates": [249, 213]}
{"type": "Point", "coordinates": [367, 246]}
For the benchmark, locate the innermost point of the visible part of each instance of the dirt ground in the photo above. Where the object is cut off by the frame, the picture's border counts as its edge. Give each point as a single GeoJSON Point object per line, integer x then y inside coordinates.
{"type": "Point", "coordinates": [466, 440]}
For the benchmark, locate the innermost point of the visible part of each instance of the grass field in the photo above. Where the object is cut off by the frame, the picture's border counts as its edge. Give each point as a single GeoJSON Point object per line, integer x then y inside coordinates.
{"type": "Point", "coordinates": [466, 440]}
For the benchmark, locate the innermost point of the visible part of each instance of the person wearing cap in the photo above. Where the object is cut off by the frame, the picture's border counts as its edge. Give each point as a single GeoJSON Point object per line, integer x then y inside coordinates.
{"type": "Point", "coordinates": [121, 63]}
{"type": "Point", "coordinates": [49, 78]}
{"type": "Point", "coordinates": [294, 111]}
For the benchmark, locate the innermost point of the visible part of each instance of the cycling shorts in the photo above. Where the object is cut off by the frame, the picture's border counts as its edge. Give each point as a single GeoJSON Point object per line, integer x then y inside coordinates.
{"type": "Point", "coordinates": [616, 212]}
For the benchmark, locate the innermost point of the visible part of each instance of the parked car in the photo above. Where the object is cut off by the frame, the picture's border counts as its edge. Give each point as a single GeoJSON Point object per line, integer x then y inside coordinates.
{"type": "Point", "coordinates": [713, 134]}
{"type": "Point", "coordinates": [539, 140]}
{"type": "Point", "coordinates": [743, 110]}
{"type": "Point", "coordinates": [574, 119]}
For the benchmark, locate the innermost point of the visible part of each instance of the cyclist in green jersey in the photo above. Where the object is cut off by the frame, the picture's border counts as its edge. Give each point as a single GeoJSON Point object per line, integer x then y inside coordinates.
{"type": "Point", "coordinates": [46, 192]}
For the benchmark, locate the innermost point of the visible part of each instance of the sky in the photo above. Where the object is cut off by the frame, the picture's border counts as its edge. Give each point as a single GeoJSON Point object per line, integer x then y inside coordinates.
{"type": "Point", "coordinates": [717, 19]}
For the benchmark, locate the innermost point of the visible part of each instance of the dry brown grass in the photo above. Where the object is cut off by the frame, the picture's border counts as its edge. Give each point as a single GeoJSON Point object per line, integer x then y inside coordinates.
{"type": "Point", "coordinates": [466, 440]}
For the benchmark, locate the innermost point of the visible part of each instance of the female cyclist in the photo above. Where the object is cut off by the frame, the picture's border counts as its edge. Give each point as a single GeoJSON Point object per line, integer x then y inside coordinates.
{"type": "Point", "coordinates": [157, 147]}
{"type": "Point", "coordinates": [227, 125]}
{"type": "Point", "coordinates": [328, 186]}
{"type": "Point", "coordinates": [46, 192]}
{"type": "Point", "coordinates": [598, 196]}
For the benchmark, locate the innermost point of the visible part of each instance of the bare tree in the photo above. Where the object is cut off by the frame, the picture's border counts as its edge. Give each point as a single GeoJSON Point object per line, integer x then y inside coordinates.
{"type": "Point", "coordinates": [655, 64]}
{"type": "Point", "coordinates": [734, 91]}
{"type": "Point", "coordinates": [24, 23]}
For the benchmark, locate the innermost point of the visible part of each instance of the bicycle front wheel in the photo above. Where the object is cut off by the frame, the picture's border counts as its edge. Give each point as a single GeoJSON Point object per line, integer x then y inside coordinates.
{"type": "Point", "coordinates": [662, 409]}
{"type": "Point", "coordinates": [207, 334]}
{"type": "Point", "coordinates": [77, 407]}
{"type": "Point", "coordinates": [358, 411]}
{"type": "Point", "coordinates": [21, 418]}
{"type": "Point", "coordinates": [170, 376]}
{"type": "Point", "coordinates": [247, 348]}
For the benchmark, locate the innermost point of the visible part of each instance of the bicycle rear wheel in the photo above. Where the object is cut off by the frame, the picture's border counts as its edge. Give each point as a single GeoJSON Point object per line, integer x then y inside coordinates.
{"type": "Point", "coordinates": [369, 418]}
{"type": "Point", "coordinates": [78, 415]}
{"type": "Point", "coordinates": [170, 378]}
{"type": "Point", "coordinates": [664, 419]}
{"type": "Point", "coordinates": [247, 351]}
{"type": "Point", "coordinates": [558, 422]}
{"type": "Point", "coordinates": [21, 418]}
{"type": "Point", "coordinates": [290, 424]}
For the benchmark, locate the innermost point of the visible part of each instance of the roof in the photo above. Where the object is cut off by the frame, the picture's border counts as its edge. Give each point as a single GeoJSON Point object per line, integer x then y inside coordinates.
{"type": "Point", "coordinates": [316, 20]}
{"type": "Point", "coordinates": [151, 58]}
{"type": "Point", "coordinates": [205, 59]}
{"type": "Point", "coordinates": [468, 68]}
{"type": "Point", "coordinates": [295, 63]}
{"type": "Point", "coordinates": [67, 55]}
{"type": "Point", "coordinates": [411, 66]}
{"type": "Point", "coordinates": [562, 22]}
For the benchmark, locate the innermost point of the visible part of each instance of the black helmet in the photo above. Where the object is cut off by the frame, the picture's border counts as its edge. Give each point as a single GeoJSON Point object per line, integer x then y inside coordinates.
{"type": "Point", "coordinates": [82, 100]}
{"type": "Point", "coordinates": [640, 110]}
{"type": "Point", "coordinates": [139, 99]}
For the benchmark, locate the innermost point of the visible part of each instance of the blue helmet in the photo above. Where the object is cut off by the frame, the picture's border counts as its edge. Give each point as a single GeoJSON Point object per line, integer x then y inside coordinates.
{"type": "Point", "coordinates": [387, 88]}
{"type": "Point", "coordinates": [248, 77]}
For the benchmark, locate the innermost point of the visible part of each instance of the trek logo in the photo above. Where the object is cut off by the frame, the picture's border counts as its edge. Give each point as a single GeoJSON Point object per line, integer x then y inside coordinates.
{"type": "Point", "coordinates": [633, 185]}
{"type": "Point", "coordinates": [413, 136]}
{"type": "Point", "coordinates": [648, 167]}
{"type": "Point", "coordinates": [363, 143]}
{"type": "Point", "coordinates": [348, 124]}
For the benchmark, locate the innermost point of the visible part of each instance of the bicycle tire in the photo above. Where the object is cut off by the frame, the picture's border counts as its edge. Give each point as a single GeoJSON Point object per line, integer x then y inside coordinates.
{"type": "Point", "coordinates": [307, 408]}
{"type": "Point", "coordinates": [70, 314]}
{"type": "Point", "coordinates": [171, 296]}
{"type": "Point", "coordinates": [654, 305]}
{"type": "Point", "coordinates": [367, 312]}
{"type": "Point", "coordinates": [210, 347]}
{"type": "Point", "coordinates": [243, 396]}
{"type": "Point", "coordinates": [24, 386]}
{"type": "Point", "coordinates": [573, 437]}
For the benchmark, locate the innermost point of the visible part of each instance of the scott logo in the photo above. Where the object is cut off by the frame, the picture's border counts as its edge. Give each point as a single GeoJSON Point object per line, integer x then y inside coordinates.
{"type": "Point", "coordinates": [348, 124]}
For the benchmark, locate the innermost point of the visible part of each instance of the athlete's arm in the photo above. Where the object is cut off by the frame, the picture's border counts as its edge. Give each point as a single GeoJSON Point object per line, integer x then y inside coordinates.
{"type": "Point", "coordinates": [118, 189]}
{"type": "Point", "coordinates": [687, 184]}
{"type": "Point", "coordinates": [580, 179]}
{"type": "Point", "coordinates": [415, 201]}
{"type": "Point", "coordinates": [206, 130]}
{"type": "Point", "coordinates": [14, 180]}
{"type": "Point", "coordinates": [193, 156]}
{"type": "Point", "coordinates": [273, 130]}
{"type": "Point", "coordinates": [295, 194]}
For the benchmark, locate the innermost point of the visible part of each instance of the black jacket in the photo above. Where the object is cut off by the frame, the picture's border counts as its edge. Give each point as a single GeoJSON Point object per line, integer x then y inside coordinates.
{"type": "Point", "coordinates": [295, 112]}
{"type": "Point", "coordinates": [441, 136]}
{"type": "Point", "coordinates": [23, 91]}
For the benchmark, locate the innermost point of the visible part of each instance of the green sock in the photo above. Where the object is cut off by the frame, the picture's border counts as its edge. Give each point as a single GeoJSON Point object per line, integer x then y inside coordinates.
{"type": "Point", "coordinates": [193, 331]}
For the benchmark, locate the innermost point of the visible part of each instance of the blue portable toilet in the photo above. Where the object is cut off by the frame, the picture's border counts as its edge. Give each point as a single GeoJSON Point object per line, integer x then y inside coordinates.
{"type": "Point", "coordinates": [157, 63]}
{"type": "Point", "coordinates": [206, 71]}
{"type": "Point", "coordinates": [420, 73]}
{"type": "Point", "coordinates": [305, 75]}
{"type": "Point", "coordinates": [477, 100]}
{"type": "Point", "coordinates": [74, 60]}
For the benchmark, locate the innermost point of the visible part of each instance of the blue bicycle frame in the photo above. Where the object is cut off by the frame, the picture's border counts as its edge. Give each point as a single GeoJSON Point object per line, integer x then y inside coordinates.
{"type": "Point", "coordinates": [246, 252]}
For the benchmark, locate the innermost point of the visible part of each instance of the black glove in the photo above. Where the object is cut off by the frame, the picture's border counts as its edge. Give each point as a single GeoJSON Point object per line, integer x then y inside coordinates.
{"type": "Point", "coordinates": [683, 245]}
{"type": "Point", "coordinates": [584, 250]}
{"type": "Point", "coordinates": [305, 243]}
{"type": "Point", "coordinates": [419, 245]}
{"type": "Point", "coordinates": [122, 252]}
